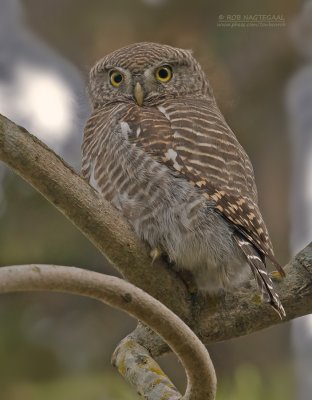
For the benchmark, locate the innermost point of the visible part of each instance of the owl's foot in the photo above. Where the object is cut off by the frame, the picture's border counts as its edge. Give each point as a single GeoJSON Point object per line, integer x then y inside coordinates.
{"type": "Point", "coordinates": [256, 298]}
{"type": "Point", "coordinates": [276, 276]}
{"type": "Point", "coordinates": [155, 254]}
{"type": "Point", "coordinates": [189, 281]}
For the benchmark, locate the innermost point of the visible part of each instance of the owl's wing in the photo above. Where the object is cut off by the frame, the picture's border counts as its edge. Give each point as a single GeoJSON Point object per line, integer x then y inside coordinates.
{"type": "Point", "coordinates": [192, 138]}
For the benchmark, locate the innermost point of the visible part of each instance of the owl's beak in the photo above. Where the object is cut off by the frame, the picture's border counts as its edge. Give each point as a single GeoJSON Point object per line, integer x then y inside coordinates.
{"type": "Point", "coordinates": [138, 94]}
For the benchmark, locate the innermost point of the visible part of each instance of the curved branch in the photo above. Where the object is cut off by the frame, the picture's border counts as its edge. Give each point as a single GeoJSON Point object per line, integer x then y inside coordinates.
{"type": "Point", "coordinates": [213, 319]}
{"type": "Point", "coordinates": [123, 295]}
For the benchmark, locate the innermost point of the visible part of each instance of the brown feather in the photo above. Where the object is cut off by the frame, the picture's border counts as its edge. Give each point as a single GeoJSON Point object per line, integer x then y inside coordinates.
{"type": "Point", "coordinates": [205, 151]}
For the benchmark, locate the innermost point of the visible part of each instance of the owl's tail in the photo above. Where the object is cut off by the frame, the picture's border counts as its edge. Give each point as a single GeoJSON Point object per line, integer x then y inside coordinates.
{"type": "Point", "coordinates": [264, 282]}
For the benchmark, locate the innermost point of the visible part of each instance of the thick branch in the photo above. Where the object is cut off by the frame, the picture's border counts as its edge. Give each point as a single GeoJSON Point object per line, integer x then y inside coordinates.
{"type": "Point", "coordinates": [95, 217]}
{"type": "Point", "coordinates": [238, 314]}
{"type": "Point", "coordinates": [123, 295]}
{"type": "Point", "coordinates": [211, 319]}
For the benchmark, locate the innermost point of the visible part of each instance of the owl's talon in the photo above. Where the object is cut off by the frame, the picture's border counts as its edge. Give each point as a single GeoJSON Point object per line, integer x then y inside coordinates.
{"type": "Point", "coordinates": [276, 276]}
{"type": "Point", "coordinates": [155, 254]}
{"type": "Point", "coordinates": [189, 281]}
{"type": "Point", "coordinates": [256, 298]}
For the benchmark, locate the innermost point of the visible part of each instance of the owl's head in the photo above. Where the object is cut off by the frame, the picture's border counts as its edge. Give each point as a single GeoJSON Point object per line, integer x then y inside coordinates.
{"type": "Point", "coordinates": [145, 73]}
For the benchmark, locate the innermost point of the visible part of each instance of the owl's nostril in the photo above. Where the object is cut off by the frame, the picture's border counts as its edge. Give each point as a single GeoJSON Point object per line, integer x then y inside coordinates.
{"type": "Point", "coordinates": [138, 94]}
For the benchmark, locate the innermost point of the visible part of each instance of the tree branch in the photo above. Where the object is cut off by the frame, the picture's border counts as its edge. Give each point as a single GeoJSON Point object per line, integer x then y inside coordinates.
{"type": "Point", "coordinates": [123, 295]}
{"type": "Point", "coordinates": [238, 314]}
{"type": "Point", "coordinates": [136, 365]}
{"type": "Point", "coordinates": [212, 319]}
{"type": "Point", "coordinates": [93, 216]}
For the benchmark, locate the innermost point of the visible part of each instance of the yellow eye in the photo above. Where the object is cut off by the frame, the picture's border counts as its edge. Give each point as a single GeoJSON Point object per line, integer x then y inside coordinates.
{"type": "Point", "coordinates": [115, 78]}
{"type": "Point", "coordinates": [164, 74]}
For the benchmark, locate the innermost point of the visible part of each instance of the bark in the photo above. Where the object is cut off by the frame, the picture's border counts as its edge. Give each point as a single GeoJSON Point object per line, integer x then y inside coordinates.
{"type": "Point", "coordinates": [96, 218]}
{"type": "Point", "coordinates": [212, 319]}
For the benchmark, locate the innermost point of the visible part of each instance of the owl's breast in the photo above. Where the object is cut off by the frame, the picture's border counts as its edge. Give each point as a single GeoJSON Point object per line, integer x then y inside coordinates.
{"type": "Point", "coordinates": [148, 129]}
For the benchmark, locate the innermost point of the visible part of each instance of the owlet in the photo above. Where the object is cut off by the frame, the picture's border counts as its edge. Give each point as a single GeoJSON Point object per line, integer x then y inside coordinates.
{"type": "Point", "coordinates": [158, 148]}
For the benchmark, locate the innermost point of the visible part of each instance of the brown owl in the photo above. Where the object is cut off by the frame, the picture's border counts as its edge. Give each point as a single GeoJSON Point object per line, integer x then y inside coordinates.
{"type": "Point", "coordinates": [158, 148]}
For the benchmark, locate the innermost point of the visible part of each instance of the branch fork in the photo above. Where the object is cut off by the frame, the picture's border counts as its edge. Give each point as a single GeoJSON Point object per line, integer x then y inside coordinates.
{"type": "Point", "coordinates": [159, 299]}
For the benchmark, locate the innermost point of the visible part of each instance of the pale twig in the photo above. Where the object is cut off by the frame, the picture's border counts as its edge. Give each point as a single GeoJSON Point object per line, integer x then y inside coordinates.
{"type": "Point", "coordinates": [138, 368]}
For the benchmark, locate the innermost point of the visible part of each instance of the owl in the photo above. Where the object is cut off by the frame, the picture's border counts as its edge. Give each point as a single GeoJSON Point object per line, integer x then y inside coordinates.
{"type": "Point", "coordinates": [159, 150]}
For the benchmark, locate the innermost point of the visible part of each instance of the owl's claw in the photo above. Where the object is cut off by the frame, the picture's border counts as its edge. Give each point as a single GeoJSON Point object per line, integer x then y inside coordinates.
{"type": "Point", "coordinates": [189, 281]}
{"type": "Point", "coordinates": [155, 254]}
{"type": "Point", "coordinates": [256, 298]}
{"type": "Point", "coordinates": [276, 276]}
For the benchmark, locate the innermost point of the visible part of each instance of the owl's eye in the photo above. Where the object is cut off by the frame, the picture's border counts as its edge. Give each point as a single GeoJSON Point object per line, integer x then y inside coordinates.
{"type": "Point", "coordinates": [116, 78]}
{"type": "Point", "coordinates": [164, 74]}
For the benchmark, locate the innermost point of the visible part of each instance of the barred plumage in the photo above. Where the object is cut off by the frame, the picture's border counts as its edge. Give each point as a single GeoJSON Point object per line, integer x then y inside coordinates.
{"type": "Point", "coordinates": [163, 154]}
{"type": "Point", "coordinates": [263, 280]}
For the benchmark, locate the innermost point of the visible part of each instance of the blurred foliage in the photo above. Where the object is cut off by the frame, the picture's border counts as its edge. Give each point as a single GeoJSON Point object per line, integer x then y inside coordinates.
{"type": "Point", "coordinates": [247, 384]}
{"type": "Point", "coordinates": [79, 387]}
{"type": "Point", "coordinates": [48, 343]}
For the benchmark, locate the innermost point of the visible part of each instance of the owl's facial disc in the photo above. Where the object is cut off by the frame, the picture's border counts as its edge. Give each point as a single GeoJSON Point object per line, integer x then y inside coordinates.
{"type": "Point", "coordinates": [161, 71]}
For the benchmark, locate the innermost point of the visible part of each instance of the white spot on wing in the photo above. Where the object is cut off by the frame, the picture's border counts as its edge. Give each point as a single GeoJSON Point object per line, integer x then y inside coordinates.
{"type": "Point", "coordinates": [138, 132]}
{"type": "Point", "coordinates": [125, 129]}
{"type": "Point", "coordinates": [164, 111]}
{"type": "Point", "coordinates": [172, 155]}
